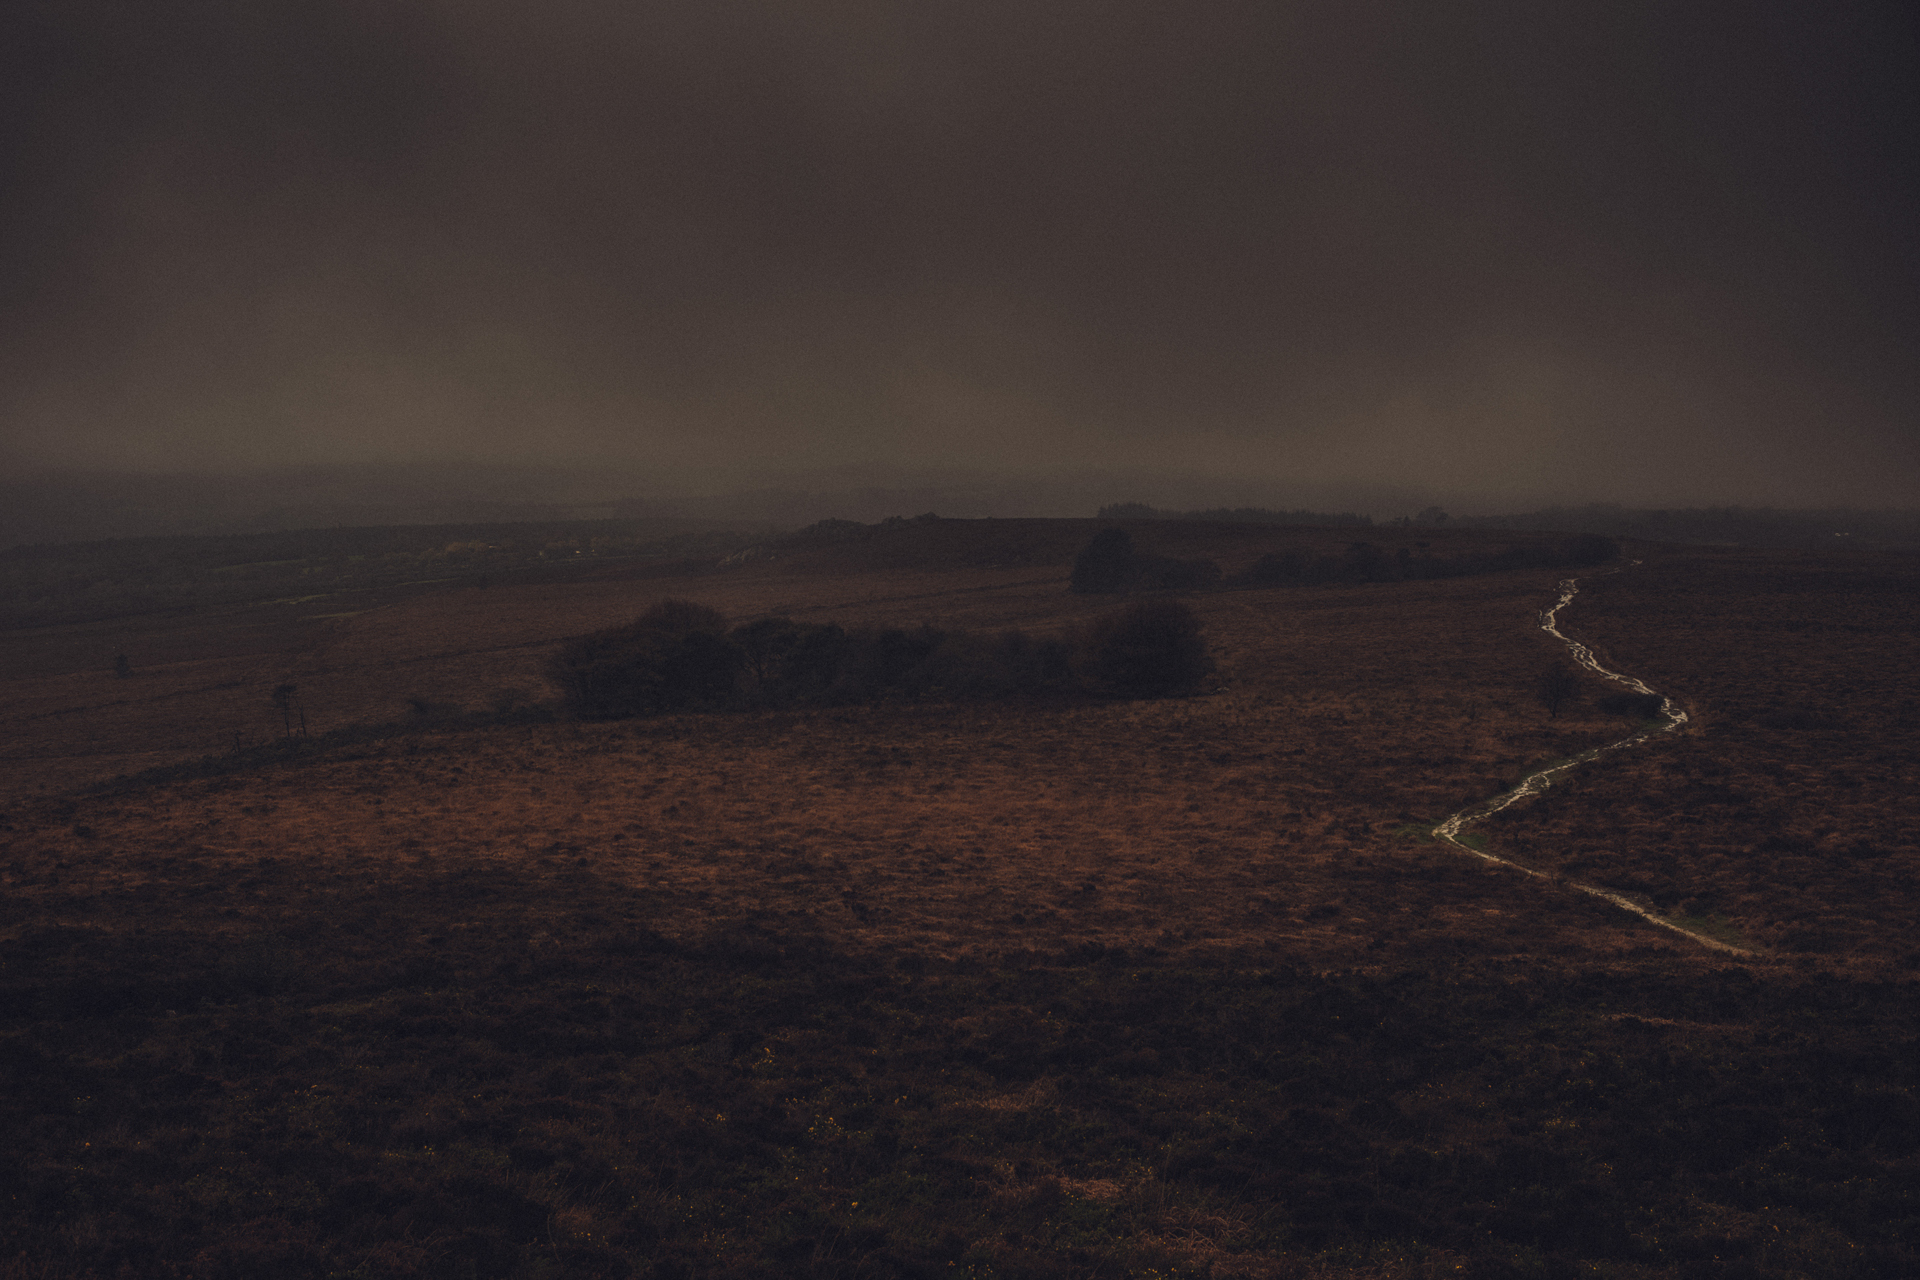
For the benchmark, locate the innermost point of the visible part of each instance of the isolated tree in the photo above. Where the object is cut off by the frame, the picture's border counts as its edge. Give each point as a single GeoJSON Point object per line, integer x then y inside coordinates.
{"type": "Point", "coordinates": [1555, 688]}
{"type": "Point", "coordinates": [286, 700]}
{"type": "Point", "coordinates": [1365, 562]}
{"type": "Point", "coordinates": [1107, 566]}
{"type": "Point", "coordinates": [1148, 650]}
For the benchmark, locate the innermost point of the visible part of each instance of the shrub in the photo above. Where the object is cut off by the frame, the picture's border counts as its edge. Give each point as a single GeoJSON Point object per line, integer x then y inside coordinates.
{"type": "Point", "coordinates": [1277, 567]}
{"type": "Point", "coordinates": [1555, 687]}
{"type": "Point", "coordinates": [889, 661]}
{"type": "Point", "coordinates": [1028, 665]}
{"type": "Point", "coordinates": [1365, 562]}
{"type": "Point", "coordinates": [1639, 706]}
{"type": "Point", "coordinates": [1108, 565]}
{"type": "Point", "coordinates": [786, 662]}
{"type": "Point", "coordinates": [1177, 575]}
{"type": "Point", "coordinates": [675, 657]}
{"type": "Point", "coordinates": [678, 657]}
{"type": "Point", "coordinates": [1151, 649]}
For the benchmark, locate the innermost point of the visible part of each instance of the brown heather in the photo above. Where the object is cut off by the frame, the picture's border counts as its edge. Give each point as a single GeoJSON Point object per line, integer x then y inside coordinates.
{"type": "Point", "coordinates": [364, 903]}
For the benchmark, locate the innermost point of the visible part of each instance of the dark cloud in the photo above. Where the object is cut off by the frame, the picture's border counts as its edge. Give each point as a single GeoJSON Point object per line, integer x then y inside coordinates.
{"type": "Point", "coordinates": [1632, 250]}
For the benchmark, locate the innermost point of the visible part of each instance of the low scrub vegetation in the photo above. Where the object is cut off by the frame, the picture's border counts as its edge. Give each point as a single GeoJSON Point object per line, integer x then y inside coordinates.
{"type": "Point", "coordinates": [679, 656]}
{"type": "Point", "coordinates": [1111, 564]}
{"type": "Point", "coordinates": [939, 981]}
{"type": "Point", "coordinates": [411, 1093]}
{"type": "Point", "coordinates": [1366, 562]}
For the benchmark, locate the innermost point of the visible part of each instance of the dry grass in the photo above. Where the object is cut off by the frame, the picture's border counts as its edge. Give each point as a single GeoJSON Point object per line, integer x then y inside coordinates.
{"type": "Point", "coordinates": [1262, 814]}
{"type": "Point", "coordinates": [1156, 988]}
{"type": "Point", "coordinates": [1789, 811]}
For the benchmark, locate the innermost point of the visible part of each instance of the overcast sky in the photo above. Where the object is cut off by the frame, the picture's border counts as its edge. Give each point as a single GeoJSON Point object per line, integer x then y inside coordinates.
{"type": "Point", "coordinates": [1659, 251]}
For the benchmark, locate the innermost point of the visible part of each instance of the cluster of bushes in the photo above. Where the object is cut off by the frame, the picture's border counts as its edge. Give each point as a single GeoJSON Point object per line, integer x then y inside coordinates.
{"type": "Point", "coordinates": [1638, 706]}
{"type": "Point", "coordinates": [1110, 564]}
{"type": "Point", "coordinates": [1366, 562]}
{"type": "Point", "coordinates": [680, 656]}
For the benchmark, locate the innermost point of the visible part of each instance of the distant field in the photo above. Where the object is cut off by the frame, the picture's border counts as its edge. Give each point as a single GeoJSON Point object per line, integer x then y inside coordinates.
{"type": "Point", "coordinates": [203, 673]}
{"type": "Point", "coordinates": [1111, 988]}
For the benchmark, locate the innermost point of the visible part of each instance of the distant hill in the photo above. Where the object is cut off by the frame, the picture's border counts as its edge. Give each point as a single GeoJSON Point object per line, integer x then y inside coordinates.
{"type": "Point", "coordinates": [1740, 526]}
{"type": "Point", "coordinates": [1234, 515]}
{"type": "Point", "coordinates": [1828, 527]}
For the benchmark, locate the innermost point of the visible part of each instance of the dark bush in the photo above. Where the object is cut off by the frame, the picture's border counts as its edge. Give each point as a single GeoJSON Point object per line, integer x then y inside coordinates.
{"type": "Point", "coordinates": [675, 657]}
{"type": "Point", "coordinates": [1639, 706]}
{"type": "Point", "coordinates": [1555, 687]}
{"type": "Point", "coordinates": [1108, 565]}
{"type": "Point", "coordinates": [1365, 562]}
{"type": "Point", "coordinates": [1151, 649]}
{"type": "Point", "coordinates": [1275, 568]}
{"type": "Point", "coordinates": [787, 663]}
{"type": "Point", "coordinates": [890, 661]}
{"type": "Point", "coordinates": [1177, 575]}
{"type": "Point", "coordinates": [678, 657]}
{"type": "Point", "coordinates": [1011, 664]}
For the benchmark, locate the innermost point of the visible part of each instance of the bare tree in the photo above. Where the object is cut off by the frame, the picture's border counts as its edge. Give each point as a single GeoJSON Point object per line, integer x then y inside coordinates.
{"type": "Point", "coordinates": [286, 699]}
{"type": "Point", "coordinates": [1556, 687]}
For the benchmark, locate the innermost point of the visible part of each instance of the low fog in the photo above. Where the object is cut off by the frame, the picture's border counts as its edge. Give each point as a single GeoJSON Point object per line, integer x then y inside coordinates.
{"type": "Point", "coordinates": [1488, 253]}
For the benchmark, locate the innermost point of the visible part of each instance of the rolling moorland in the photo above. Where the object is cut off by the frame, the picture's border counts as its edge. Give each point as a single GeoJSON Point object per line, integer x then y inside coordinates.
{"type": "Point", "coordinates": [1175, 987]}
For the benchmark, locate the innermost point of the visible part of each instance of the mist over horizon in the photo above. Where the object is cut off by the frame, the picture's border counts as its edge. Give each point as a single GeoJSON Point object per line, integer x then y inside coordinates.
{"type": "Point", "coordinates": [61, 508]}
{"type": "Point", "coordinates": [1034, 259]}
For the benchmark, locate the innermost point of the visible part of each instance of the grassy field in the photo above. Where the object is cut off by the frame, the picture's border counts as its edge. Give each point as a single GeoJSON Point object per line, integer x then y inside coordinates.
{"type": "Point", "coordinates": [1094, 989]}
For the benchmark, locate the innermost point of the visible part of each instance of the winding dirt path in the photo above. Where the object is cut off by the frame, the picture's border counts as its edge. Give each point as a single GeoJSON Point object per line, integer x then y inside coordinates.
{"type": "Point", "coordinates": [1672, 717]}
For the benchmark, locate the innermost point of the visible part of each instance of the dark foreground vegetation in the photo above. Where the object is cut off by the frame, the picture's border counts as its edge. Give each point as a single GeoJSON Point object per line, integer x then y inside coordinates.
{"type": "Point", "coordinates": [681, 656]}
{"type": "Point", "coordinates": [1009, 986]}
{"type": "Point", "coordinates": [395, 1080]}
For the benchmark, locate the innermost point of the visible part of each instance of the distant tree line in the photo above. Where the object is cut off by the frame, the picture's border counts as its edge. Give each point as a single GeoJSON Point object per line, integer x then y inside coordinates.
{"type": "Point", "coordinates": [1233, 515]}
{"type": "Point", "coordinates": [1366, 562]}
{"type": "Point", "coordinates": [1110, 564]}
{"type": "Point", "coordinates": [1815, 529]}
{"type": "Point", "coordinates": [1822, 529]}
{"type": "Point", "coordinates": [680, 656]}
